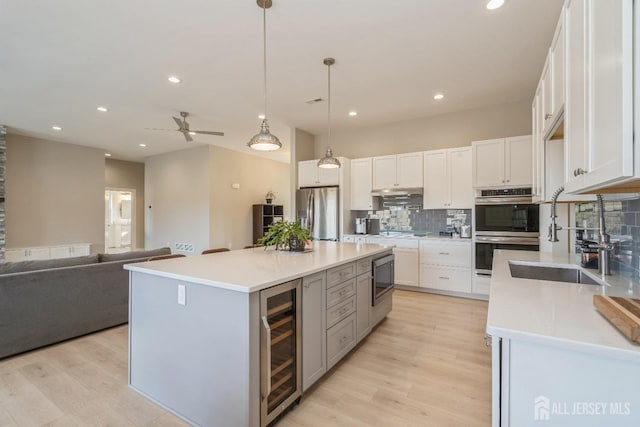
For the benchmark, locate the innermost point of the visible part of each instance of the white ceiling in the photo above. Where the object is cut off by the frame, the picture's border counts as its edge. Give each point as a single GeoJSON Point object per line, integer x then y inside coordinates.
{"type": "Point", "coordinates": [59, 59]}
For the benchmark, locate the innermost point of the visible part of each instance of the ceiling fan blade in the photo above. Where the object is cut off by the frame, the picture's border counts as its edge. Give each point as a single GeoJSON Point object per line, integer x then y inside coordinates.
{"type": "Point", "coordinates": [179, 122]}
{"type": "Point", "coordinates": [206, 132]}
{"type": "Point", "coordinates": [187, 136]}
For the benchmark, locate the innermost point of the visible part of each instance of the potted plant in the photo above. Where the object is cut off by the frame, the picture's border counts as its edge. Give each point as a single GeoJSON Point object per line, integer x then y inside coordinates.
{"type": "Point", "coordinates": [286, 235]}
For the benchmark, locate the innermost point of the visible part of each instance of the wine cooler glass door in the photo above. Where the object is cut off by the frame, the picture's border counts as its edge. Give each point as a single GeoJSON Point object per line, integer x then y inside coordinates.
{"type": "Point", "coordinates": [280, 353]}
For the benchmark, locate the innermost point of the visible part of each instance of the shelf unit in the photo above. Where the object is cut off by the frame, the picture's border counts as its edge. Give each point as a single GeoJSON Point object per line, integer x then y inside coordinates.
{"type": "Point", "coordinates": [263, 217]}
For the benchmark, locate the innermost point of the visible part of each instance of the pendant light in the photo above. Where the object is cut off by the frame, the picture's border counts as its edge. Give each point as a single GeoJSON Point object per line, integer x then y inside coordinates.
{"type": "Point", "coordinates": [264, 140]}
{"type": "Point", "coordinates": [328, 161]}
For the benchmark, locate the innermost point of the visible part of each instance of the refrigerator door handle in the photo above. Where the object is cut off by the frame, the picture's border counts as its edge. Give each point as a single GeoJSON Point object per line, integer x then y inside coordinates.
{"type": "Point", "coordinates": [311, 211]}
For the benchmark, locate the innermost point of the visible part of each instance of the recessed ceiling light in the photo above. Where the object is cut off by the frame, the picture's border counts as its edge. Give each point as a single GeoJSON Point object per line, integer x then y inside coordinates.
{"type": "Point", "coordinates": [56, 128]}
{"type": "Point", "coordinates": [438, 96]}
{"type": "Point", "coordinates": [107, 154]}
{"type": "Point", "coordinates": [261, 117]}
{"type": "Point", "coordinates": [174, 79]}
{"type": "Point", "coordinates": [192, 133]}
{"type": "Point", "coordinates": [102, 109]}
{"type": "Point", "coordinates": [142, 145]}
{"type": "Point", "coordinates": [495, 4]}
{"type": "Point", "coordinates": [353, 113]}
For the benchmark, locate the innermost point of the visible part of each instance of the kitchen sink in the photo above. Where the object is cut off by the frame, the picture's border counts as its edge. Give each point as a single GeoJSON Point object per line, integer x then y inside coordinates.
{"type": "Point", "coordinates": [556, 274]}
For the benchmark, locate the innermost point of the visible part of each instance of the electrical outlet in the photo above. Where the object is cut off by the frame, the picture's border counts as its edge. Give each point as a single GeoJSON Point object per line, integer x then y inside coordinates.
{"type": "Point", "coordinates": [182, 294]}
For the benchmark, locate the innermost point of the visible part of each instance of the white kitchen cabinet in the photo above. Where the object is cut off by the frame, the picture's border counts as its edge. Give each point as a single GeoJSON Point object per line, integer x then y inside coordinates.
{"type": "Point", "coordinates": [314, 329]}
{"type": "Point", "coordinates": [26, 254]}
{"type": "Point", "coordinates": [599, 111]}
{"type": "Point", "coordinates": [544, 383]}
{"type": "Point", "coordinates": [397, 171]}
{"type": "Point", "coordinates": [504, 162]}
{"type": "Point", "coordinates": [447, 179]}
{"type": "Point", "coordinates": [407, 258]}
{"type": "Point", "coordinates": [310, 175]}
{"type": "Point", "coordinates": [556, 56]}
{"type": "Point", "coordinates": [361, 184]}
{"type": "Point", "coordinates": [537, 166]}
{"type": "Point", "coordinates": [552, 81]}
{"type": "Point", "coordinates": [68, 251]}
{"type": "Point", "coordinates": [445, 265]}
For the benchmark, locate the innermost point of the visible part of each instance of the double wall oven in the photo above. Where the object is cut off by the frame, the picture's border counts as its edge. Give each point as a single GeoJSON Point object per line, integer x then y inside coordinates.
{"type": "Point", "coordinates": [504, 219]}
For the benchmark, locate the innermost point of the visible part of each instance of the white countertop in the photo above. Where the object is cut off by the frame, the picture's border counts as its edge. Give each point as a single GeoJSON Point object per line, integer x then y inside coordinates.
{"type": "Point", "coordinates": [410, 236]}
{"type": "Point", "coordinates": [251, 270]}
{"type": "Point", "coordinates": [555, 313]}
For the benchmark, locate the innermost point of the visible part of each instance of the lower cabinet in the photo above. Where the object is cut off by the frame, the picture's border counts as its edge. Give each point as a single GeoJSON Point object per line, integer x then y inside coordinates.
{"type": "Point", "coordinates": [336, 315]}
{"type": "Point", "coordinates": [341, 338]}
{"type": "Point", "coordinates": [47, 252]}
{"type": "Point", "coordinates": [445, 265]}
{"type": "Point", "coordinates": [363, 305]}
{"type": "Point", "coordinates": [561, 385]}
{"type": "Point", "coordinates": [314, 329]}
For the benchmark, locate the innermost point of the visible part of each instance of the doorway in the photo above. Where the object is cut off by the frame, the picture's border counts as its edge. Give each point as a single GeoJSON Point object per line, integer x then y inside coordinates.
{"type": "Point", "coordinates": [119, 220]}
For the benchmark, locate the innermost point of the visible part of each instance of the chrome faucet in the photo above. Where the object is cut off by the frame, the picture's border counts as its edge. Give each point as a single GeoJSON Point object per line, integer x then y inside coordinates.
{"type": "Point", "coordinates": [604, 245]}
{"type": "Point", "coordinates": [553, 227]}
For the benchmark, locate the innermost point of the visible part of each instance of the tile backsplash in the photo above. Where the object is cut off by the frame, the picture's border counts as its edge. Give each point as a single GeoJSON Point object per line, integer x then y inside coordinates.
{"type": "Point", "coordinates": [418, 220]}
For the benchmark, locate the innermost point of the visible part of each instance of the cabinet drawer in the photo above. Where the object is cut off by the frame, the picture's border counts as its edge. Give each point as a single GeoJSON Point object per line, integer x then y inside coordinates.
{"type": "Point", "coordinates": [450, 254]}
{"type": "Point", "coordinates": [446, 279]}
{"type": "Point", "coordinates": [341, 338]}
{"type": "Point", "coordinates": [363, 266]}
{"type": "Point", "coordinates": [339, 274]}
{"type": "Point", "coordinates": [340, 293]}
{"type": "Point", "coordinates": [340, 311]}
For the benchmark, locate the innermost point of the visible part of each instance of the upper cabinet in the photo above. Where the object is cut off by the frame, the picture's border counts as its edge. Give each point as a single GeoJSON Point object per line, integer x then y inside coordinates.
{"type": "Point", "coordinates": [447, 179]}
{"type": "Point", "coordinates": [361, 184]}
{"type": "Point", "coordinates": [397, 171]}
{"type": "Point", "coordinates": [552, 81]}
{"type": "Point", "coordinates": [504, 162]}
{"type": "Point", "coordinates": [599, 146]}
{"type": "Point", "coordinates": [310, 175]}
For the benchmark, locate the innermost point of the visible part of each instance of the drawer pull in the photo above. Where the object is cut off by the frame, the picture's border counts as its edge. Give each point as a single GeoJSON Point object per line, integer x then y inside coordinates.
{"type": "Point", "coordinates": [343, 311]}
{"type": "Point", "coordinates": [443, 253]}
{"type": "Point", "coordinates": [342, 292]}
{"type": "Point", "coordinates": [344, 339]}
{"type": "Point", "coordinates": [443, 277]}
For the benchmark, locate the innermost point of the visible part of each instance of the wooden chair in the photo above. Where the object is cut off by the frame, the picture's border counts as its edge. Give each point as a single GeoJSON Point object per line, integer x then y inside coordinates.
{"type": "Point", "coordinates": [159, 257]}
{"type": "Point", "coordinates": [213, 251]}
{"type": "Point", "coordinates": [257, 245]}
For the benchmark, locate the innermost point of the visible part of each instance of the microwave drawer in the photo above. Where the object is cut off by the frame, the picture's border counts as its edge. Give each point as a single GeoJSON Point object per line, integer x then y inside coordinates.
{"type": "Point", "coordinates": [450, 254]}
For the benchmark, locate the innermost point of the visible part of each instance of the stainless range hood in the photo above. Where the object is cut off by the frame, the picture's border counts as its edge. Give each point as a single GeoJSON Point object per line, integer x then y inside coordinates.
{"type": "Point", "coordinates": [396, 192]}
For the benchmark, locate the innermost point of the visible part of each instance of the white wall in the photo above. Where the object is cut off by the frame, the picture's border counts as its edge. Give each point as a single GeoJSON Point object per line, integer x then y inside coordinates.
{"type": "Point", "coordinates": [54, 193]}
{"type": "Point", "coordinates": [177, 199]}
{"type": "Point", "coordinates": [231, 217]}
{"type": "Point", "coordinates": [430, 133]}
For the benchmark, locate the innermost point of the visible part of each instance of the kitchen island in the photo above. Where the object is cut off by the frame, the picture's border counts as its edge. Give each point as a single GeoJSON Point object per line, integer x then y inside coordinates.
{"type": "Point", "coordinates": [555, 357]}
{"type": "Point", "coordinates": [196, 324]}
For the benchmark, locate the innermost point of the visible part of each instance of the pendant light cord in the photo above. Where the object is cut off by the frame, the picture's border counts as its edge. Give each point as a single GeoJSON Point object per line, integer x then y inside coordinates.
{"type": "Point", "coordinates": [264, 41]}
{"type": "Point", "coordinates": [329, 107]}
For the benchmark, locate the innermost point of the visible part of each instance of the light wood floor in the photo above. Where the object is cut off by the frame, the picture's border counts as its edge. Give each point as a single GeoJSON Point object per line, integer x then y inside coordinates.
{"type": "Point", "coordinates": [426, 365]}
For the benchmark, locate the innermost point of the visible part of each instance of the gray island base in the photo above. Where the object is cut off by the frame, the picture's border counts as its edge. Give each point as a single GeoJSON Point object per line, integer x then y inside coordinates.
{"type": "Point", "coordinates": [198, 326]}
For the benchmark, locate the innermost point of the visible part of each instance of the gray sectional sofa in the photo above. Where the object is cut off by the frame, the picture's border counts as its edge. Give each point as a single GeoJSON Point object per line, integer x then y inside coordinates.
{"type": "Point", "coordinates": [44, 302]}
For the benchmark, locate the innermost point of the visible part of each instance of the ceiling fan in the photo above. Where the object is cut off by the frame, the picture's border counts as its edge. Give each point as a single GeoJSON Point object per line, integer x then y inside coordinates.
{"type": "Point", "coordinates": [183, 126]}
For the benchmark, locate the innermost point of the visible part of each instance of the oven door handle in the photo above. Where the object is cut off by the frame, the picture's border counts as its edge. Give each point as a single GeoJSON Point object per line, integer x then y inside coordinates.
{"type": "Point", "coordinates": [533, 241]}
{"type": "Point", "coordinates": [503, 200]}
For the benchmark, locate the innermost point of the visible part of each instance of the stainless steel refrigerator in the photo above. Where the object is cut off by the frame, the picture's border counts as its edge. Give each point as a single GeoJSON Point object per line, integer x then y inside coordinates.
{"type": "Point", "coordinates": [318, 210]}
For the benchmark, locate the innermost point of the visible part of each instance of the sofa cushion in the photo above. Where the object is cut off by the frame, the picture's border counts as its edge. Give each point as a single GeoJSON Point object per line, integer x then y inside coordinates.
{"type": "Point", "coordinates": [133, 255]}
{"type": "Point", "coordinates": [46, 264]}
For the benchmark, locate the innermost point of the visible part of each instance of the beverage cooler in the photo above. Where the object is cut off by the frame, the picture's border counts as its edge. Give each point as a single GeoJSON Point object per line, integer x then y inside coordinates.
{"type": "Point", "coordinates": [280, 369]}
